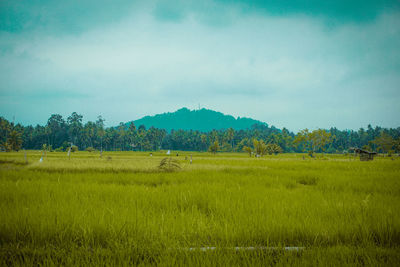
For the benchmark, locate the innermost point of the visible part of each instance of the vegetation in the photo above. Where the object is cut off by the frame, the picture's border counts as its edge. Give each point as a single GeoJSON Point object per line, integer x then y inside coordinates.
{"type": "Point", "coordinates": [91, 211]}
{"type": "Point", "coordinates": [60, 134]}
{"type": "Point", "coordinates": [214, 147]}
{"type": "Point", "coordinates": [169, 164]}
{"type": "Point", "coordinates": [316, 140]}
{"type": "Point", "coordinates": [203, 120]}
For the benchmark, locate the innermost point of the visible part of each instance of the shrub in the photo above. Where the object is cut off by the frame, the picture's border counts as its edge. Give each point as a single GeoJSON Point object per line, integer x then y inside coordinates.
{"type": "Point", "coordinates": [307, 180]}
{"type": "Point", "coordinates": [169, 165]}
{"type": "Point", "coordinates": [90, 149]}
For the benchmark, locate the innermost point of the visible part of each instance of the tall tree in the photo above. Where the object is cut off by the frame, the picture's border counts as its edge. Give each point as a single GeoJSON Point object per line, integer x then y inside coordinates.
{"type": "Point", "coordinates": [384, 142]}
{"type": "Point", "coordinates": [15, 140]}
{"type": "Point", "coordinates": [214, 147]}
{"type": "Point", "coordinates": [75, 126]}
{"type": "Point", "coordinates": [56, 129]}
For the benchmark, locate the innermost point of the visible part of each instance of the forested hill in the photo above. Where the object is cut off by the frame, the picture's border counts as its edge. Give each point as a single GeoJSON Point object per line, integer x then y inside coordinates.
{"type": "Point", "coordinates": [203, 120]}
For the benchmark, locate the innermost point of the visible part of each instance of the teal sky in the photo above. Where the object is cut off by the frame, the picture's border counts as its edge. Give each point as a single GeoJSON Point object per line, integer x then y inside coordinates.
{"type": "Point", "coordinates": [295, 64]}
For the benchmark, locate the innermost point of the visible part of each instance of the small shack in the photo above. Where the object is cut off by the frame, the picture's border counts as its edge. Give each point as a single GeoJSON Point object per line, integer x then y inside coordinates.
{"type": "Point", "coordinates": [364, 154]}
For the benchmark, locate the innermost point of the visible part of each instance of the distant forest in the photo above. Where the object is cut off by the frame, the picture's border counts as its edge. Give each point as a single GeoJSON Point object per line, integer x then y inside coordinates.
{"type": "Point", "coordinates": [60, 134]}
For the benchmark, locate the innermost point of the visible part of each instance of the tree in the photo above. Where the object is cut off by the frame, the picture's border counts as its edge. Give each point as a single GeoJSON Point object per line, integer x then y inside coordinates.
{"type": "Point", "coordinates": [89, 133]}
{"type": "Point", "coordinates": [15, 140]}
{"type": "Point", "coordinates": [241, 146]}
{"type": "Point", "coordinates": [397, 145]}
{"type": "Point", "coordinates": [248, 150]}
{"type": "Point", "coordinates": [5, 129]}
{"type": "Point", "coordinates": [122, 135]}
{"type": "Point", "coordinates": [313, 141]}
{"type": "Point", "coordinates": [132, 135]}
{"type": "Point", "coordinates": [274, 149]}
{"type": "Point", "coordinates": [204, 141]}
{"type": "Point", "coordinates": [384, 142]}
{"type": "Point", "coordinates": [100, 130]}
{"type": "Point", "coordinates": [56, 130]}
{"type": "Point", "coordinates": [301, 140]}
{"type": "Point", "coordinates": [259, 147]}
{"type": "Point", "coordinates": [214, 147]}
{"type": "Point", "coordinates": [75, 126]}
{"type": "Point", "coordinates": [230, 135]}
{"type": "Point", "coordinates": [319, 139]}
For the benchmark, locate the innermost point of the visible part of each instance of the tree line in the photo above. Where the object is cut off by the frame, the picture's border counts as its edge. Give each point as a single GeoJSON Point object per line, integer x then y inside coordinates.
{"type": "Point", "coordinates": [60, 134]}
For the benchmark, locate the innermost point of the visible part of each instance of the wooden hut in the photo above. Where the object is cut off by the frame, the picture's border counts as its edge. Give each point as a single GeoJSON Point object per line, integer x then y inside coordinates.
{"type": "Point", "coordinates": [364, 154]}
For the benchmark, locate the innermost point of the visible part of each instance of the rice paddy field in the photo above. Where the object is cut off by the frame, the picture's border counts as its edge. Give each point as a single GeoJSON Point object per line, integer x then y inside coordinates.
{"type": "Point", "coordinates": [221, 210]}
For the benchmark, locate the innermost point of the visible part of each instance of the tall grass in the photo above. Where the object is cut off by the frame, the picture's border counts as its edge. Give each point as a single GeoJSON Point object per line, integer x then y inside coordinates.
{"type": "Point", "coordinates": [90, 210]}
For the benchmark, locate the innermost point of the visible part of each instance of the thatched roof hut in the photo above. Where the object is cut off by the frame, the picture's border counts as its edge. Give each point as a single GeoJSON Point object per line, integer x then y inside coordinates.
{"type": "Point", "coordinates": [364, 154]}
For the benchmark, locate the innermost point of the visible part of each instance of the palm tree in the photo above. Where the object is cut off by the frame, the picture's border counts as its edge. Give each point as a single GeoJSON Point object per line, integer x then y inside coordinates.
{"type": "Point", "coordinates": [230, 134]}
{"type": "Point", "coordinates": [15, 140]}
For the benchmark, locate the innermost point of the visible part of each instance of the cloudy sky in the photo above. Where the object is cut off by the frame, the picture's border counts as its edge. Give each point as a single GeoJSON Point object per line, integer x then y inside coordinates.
{"type": "Point", "coordinates": [306, 64]}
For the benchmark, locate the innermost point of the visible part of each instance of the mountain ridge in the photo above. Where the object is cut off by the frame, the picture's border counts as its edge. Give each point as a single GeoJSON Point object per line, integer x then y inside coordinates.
{"type": "Point", "coordinates": [203, 120]}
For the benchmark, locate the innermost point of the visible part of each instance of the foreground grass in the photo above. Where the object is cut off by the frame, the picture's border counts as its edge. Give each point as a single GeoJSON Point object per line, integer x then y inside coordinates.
{"type": "Point", "coordinates": [119, 209]}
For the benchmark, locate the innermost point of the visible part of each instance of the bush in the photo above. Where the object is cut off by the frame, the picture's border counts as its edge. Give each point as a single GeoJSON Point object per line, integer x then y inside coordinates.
{"type": "Point", "coordinates": [74, 148]}
{"type": "Point", "coordinates": [90, 149]}
{"type": "Point", "coordinates": [307, 180]}
{"type": "Point", "coordinates": [169, 165]}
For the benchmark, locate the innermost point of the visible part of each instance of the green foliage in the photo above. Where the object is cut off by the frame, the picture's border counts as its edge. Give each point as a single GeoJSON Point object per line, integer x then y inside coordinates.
{"type": "Point", "coordinates": [127, 137]}
{"type": "Point", "coordinates": [241, 146]}
{"type": "Point", "coordinates": [259, 147]}
{"type": "Point", "coordinates": [314, 141]}
{"type": "Point", "coordinates": [214, 147]}
{"type": "Point", "coordinates": [90, 149]}
{"type": "Point", "coordinates": [46, 147]}
{"type": "Point", "coordinates": [226, 147]}
{"type": "Point", "coordinates": [204, 120]}
{"type": "Point", "coordinates": [12, 138]}
{"type": "Point", "coordinates": [248, 150]}
{"type": "Point", "coordinates": [273, 149]}
{"type": "Point", "coordinates": [384, 142]}
{"type": "Point", "coordinates": [15, 140]}
{"type": "Point", "coordinates": [367, 147]}
{"type": "Point", "coordinates": [74, 148]}
{"type": "Point", "coordinates": [5, 146]}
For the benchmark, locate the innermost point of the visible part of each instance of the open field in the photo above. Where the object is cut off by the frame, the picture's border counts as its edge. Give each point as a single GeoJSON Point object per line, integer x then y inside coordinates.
{"type": "Point", "coordinates": [120, 209]}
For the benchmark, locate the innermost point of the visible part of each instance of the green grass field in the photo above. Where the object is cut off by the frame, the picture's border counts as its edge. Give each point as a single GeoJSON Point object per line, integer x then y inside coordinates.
{"type": "Point", "coordinates": [121, 210]}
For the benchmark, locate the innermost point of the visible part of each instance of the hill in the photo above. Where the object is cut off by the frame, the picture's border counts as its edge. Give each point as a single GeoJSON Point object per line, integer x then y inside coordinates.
{"type": "Point", "coordinates": [203, 120]}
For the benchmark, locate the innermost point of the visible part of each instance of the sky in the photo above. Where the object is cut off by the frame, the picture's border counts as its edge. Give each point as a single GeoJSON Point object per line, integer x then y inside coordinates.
{"type": "Point", "coordinates": [295, 64]}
